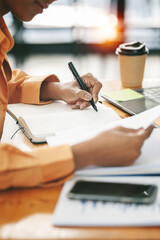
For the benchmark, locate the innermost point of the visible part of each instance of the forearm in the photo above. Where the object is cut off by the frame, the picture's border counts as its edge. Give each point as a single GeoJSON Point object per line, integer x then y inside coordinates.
{"type": "Point", "coordinates": [28, 169]}
{"type": "Point", "coordinates": [114, 147]}
{"type": "Point", "coordinates": [51, 90]}
{"type": "Point", "coordinates": [84, 154]}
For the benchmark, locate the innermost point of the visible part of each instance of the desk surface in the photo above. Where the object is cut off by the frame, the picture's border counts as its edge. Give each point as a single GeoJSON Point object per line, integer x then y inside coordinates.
{"type": "Point", "coordinates": [27, 213]}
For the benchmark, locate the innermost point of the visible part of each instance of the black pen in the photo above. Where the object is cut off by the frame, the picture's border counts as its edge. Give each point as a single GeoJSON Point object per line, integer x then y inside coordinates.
{"type": "Point", "coordinates": [81, 83]}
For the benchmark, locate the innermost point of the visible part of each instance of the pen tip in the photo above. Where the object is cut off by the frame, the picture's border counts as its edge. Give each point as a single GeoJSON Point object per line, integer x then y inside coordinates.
{"type": "Point", "coordinates": [95, 108]}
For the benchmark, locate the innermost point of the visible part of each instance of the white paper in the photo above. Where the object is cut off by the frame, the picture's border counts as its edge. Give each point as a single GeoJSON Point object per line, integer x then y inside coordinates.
{"type": "Point", "coordinates": [83, 132]}
{"type": "Point", "coordinates": [143, 119]}
{"type": "Point", "coordinates": [52, 122]}
{"type": "Point", "coordinates": [96, 213]}
{"type": "Point", "coordinates": [75, 135]}
{"type": "Point", "coordinates": [82, 125]}
{"type": "Point", "coordinates": [49, 119]}
{"type": "Point", "coordinates": [147, 163]}
{"type": "Point", "coordinates": [21, 109]}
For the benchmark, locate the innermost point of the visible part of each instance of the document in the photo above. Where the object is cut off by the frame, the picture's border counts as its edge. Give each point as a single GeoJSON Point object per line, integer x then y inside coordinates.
{"type": "Point", "coordinates": [148, 163]}
{"type": "Point", "coordinates": [40, 121]}
{"type": "Point", "coordinates": [83, 132]}
{"type": "Point", "coordinates": [99, 213]}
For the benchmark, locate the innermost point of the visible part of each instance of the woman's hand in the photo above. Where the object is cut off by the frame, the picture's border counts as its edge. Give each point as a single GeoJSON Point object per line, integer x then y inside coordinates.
{"type": "Point", "coordinates": [115, 147]}
{"type": "Point", "coordinates": [71, 93]}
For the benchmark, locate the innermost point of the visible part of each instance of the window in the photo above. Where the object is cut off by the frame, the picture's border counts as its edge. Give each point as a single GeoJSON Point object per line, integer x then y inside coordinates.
{"type": "Point", "coordinates": [142, 22]}
{"type": "Point", "coordinates": [93, 22]}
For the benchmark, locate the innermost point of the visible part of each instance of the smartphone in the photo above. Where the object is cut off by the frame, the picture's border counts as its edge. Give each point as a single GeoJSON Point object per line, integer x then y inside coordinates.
{"type": "Point", "coordinates": [113, 191]}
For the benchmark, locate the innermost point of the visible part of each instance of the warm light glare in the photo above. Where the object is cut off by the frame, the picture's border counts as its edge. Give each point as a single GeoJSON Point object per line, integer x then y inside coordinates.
{"type": "Point", "coordinates": [85, 17]}
{"type": "Point", "coordinates": [55, 16]}
{"type": "Point", "coordinates": [109, 29]}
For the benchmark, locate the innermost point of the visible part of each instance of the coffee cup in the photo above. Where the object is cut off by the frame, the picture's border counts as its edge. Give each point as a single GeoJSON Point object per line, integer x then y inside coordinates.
{"type": "Point", "coordinates": [132, 58]}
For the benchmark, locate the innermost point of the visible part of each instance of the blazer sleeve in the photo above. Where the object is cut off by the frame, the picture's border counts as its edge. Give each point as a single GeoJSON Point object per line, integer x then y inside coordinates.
{"type": "Point", "coordinates": [26, 89]}
{"type": "Point", "coordinates": [45, 165]}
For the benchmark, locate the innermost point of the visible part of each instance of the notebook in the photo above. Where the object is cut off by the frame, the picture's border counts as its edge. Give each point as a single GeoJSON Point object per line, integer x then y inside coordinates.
{"type": "Point", "coordinates": [40, 121]}
{"type": "Point", "coordinates": [134, 101]}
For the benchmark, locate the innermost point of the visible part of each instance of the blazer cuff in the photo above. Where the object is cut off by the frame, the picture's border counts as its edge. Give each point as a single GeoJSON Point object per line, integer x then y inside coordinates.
{"type": "Point", "coordinates": [31, 89]}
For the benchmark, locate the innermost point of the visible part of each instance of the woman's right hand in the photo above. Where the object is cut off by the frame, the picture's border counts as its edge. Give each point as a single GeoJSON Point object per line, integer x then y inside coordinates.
{"type": "Point", "coordinates": [118, 146]}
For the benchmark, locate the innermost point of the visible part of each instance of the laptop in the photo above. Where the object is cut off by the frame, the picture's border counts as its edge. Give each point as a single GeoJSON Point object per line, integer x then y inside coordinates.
{"type": "Point", "coordinates": [135, 106]}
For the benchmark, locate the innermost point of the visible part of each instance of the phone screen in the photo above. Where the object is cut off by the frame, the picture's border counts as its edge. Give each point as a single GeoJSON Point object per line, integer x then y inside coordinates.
{"type": "Point", "coordinates": [109, 191]}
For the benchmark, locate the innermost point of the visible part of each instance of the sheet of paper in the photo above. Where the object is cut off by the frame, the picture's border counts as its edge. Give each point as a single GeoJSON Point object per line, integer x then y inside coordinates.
{"type": "Point", "coordinates": [124, 95]}
{"type": "Point", "coordinates": [147, 163]}
{"type": "Point", "coordinates": [96, 213]}
{"type": "Point", "coordinates": [78, 134]}
{"type": "Point", "coordinates": [81, 133]}
{"type": "Point", "coordinates": [143, 119]}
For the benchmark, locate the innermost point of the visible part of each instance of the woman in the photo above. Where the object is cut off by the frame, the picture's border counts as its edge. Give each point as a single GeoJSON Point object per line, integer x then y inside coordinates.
{"type": "Point", "coordinates": [118, 146]}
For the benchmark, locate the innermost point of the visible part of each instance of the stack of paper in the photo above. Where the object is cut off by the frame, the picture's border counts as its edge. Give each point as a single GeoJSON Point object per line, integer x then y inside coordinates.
{"type": "Point", "coordinates": [97, 213]}
{"type": "Point", "coordinates": [147, 164]}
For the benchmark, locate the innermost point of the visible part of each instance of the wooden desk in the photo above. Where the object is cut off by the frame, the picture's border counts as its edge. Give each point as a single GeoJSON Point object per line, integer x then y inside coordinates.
{"type": "Point", "coordinates": [27, 213]}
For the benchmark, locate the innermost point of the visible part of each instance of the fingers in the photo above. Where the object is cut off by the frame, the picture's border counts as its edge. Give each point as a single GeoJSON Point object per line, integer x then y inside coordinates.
{"type": "Point", "coordinates": [150, 130]}
{"type": "Point", "coordinates": [137, 135]}
{"type": "Point", "coordinates": [145, 133]}
{"type": "Point", "coordinates": [93, 84]}
{"type": "Point", "coordinates": [126, 130]}
{"type": "Point", "coordinates": [84, 105]}
{"type": "Point", "coordinates": [81, 94]}
{"type": "Point", "coordinates": [96, 88]}
{"type": "Point", "coordinates": [80, 105]}
{"type": "Point", "coordinates": [137, 138]}
{"type": "Point", "coordinates": [83, 99]}
{"type": "Point", "coordinates": [141, 135]}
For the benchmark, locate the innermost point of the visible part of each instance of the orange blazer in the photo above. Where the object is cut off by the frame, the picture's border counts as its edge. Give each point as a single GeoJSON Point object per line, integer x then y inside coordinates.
{"type": "Point", "coordinates": [45, 165]}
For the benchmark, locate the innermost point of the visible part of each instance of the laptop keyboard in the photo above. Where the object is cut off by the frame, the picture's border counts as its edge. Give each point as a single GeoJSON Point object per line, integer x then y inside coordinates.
{"type": "Point", "coordinates": [152, 93]}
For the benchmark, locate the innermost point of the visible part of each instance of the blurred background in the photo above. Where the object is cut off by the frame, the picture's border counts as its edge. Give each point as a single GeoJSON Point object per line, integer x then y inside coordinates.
{"type": "Point", "coordinates": [86, 32]}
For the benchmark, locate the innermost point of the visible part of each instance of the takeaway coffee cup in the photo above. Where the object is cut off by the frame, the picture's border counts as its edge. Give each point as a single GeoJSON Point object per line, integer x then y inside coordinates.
{"type": "Point", "coordinates": [132, 57]}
